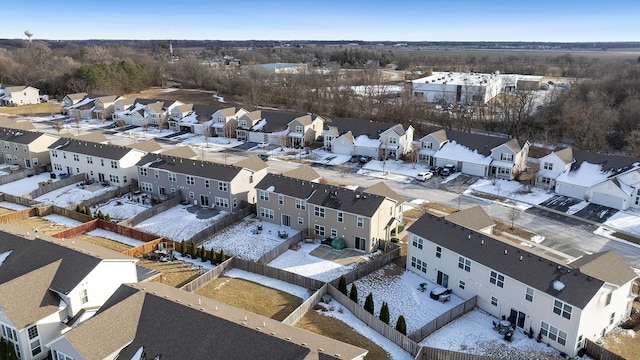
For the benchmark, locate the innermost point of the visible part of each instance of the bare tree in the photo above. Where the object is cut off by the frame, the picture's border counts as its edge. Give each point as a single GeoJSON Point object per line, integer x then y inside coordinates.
{"type": "Point", "coordinates": [206, 132]}
{"type": "Point", "coordinates": [58, 125]}
{"type": "Point", "coordinates": [513, 214]}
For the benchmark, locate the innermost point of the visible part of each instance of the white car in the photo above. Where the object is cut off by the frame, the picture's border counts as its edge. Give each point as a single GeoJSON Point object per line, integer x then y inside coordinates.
{"type": "Point", "coordinates": [424, 176]}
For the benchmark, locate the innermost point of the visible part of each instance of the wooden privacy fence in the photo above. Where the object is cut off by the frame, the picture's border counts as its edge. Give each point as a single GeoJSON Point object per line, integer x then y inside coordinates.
{"type": "Point", "coordinates": [598, 352]}
{"type": "Point", "coordinates": [428, 353]}
{"type": "Point", "coordinates": [10, 218]}
{"type": "Point", "coordinates": [72, 214]}
{"type": "Point", "coordinates": [55, 185]}
{"type": "Point", "coordinates": [154, 210]}
{"type": "Point", "coordinates": [208, 276]}
{"type": "Point", "coordinates": [373, 322]}
{"type": "Point", "coordinates": [366, 268]}
{"type": "Point", "coordinates": [306, 306]}
{"type": "Point", "coordinates": [220, 224]}
{"type": "Point", "coordinates": [20, 174]}
{"type": "Point", "coordinates": [280, 249]}
{"type": "Point", "coordinates": [444, 319]}
{"type": "Point", "coordinates": [18, 200]}
{"type": "Point", "coordinates": [106, 196]}
{"type": "Point", "coordinates": [145, 248]}
{"type": "Point", "coordinates": [292, 278]}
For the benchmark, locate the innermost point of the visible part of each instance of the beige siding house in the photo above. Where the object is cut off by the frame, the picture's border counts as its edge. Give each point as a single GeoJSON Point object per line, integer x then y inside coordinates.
{"type": "Point", "coordinates": [27, 149]}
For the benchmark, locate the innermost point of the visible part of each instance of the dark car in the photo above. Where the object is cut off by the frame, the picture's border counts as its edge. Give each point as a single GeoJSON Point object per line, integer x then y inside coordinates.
{"type": "Point", "coordinates": [264, 157]}
{"type": "Point", "coordinates": [365, 159]}
{"type": "Point", "coordinates": [354, 158]}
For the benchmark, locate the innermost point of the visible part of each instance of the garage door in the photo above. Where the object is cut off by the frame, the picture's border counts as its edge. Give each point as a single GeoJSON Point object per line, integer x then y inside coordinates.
{"type": "Point", "coordinates": [345, 149]}
{"type": "Point", "coordinates": [473, 169]}
{"type": "Point", "coordinates": [571, 190]}
{"type": "Point", "coordinates": [366, 151]}
{"type": "Point", "coordinates": [607, 200]}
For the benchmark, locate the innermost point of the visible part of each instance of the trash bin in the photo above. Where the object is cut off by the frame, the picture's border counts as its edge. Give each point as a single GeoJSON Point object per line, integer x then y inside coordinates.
{"type": "Point", "coordinates": [53, 175]}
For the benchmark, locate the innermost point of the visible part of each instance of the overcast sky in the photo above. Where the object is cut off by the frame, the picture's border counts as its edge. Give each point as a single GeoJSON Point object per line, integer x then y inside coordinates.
{"type": "Point", "coordinates": [373, 20]}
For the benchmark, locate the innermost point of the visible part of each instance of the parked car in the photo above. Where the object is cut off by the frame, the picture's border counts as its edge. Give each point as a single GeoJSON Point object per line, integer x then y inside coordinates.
{"type": "Point", "coordinates": [365, 159]}
{"type": "Point", "coordinates": [447, 170]}
{"type": "Point", "coordinates": [424, 176]}
{"type": "Point", "coordinates": [354, 158]}
{"type": "Point", "coordinates": [264, 157]}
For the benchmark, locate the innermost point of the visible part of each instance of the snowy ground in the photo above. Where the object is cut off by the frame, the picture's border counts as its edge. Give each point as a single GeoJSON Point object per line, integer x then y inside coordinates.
{"type": "Point", "coordinates": [115, 237]}
{"type": "Point", "coordinates": [176, 223]}
{"type": "Point", "coordinates": [241, 239]}
{"type": "Point", "coordinates": [12, 206]}
{"type": "Point", "coordinates": [321, 156]}
{"type": "Point", "coordinates": [71, 195]}
{"type": "Point", "coordinates": [627, 220]}
{"type": "Point", "coordinates": [292, 289]}
{"type": "Point", "coordinates": [512, 190]}
{"type": "Point", "coordinates": [26, 185]}
{"type": "Point", "coordinates": [303, 263]}
{"type": "Point", "coordinates": [479, 338]}
{"type": "Point", "coordinates": [397, 170]}
{"type": "Point", "coordinates": [402, 294]}
{"type": "Point", "coordinates": [122, 208]}
{"type": "Point", "coordinates": [62, 220]}
{"type": "Point", "coordinates": [209, 144]}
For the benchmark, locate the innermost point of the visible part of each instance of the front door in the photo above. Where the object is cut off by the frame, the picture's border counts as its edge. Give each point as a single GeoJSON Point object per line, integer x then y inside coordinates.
{"type": "Point", "coordinates": [443, 279]}
{"type": "Point", "coordinates": [286, 220]}
{"type": "Point", "coordinates": [204, 200]}
{"type": "Point", "coordinates": [517, 317]}
{"type": "Point", "coordinates": [101, 177]}
{"type": "Point", "coordinates": [360, 243]}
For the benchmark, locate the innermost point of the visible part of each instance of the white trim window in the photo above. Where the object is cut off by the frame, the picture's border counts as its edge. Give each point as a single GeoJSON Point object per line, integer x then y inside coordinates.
{"type": "Point", "coordinates": [562, 309]}
{"type": "Point", "coordinates": [301, 204]}
{"type": "Point", "coordinates": [263, 195]}
{"type": "Point", "coordinates": [496, 279]}
{"type": "Point", "coordinates": [223, 186]}
{"type": "Point", "coordinates": [266, 213]}
{"type": "Point", "coordinates": [464, 264]}
{"type": "Point", "coordinates": [360, 221]}
{"type": "Point", "coordinates": [224, 202]}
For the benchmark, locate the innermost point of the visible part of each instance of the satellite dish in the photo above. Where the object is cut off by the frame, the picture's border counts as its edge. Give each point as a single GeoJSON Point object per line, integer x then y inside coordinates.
{"type": "Point", "coordinates": [29, 34]}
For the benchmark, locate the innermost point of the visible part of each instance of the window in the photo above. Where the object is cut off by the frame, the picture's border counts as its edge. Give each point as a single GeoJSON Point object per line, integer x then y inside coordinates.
{"type": "Point", "coordinates": [84, 297]}
{"type": "Point", "coordinates": [101, 162]}
{"type": "Point", "coordinates": [64, 155]}
{"type": "Point", "coordinates": [57, 167]}
{"type": "Point", "coordinates": [89, 160]}
{"type": "Point", "coordinates": [318, 211]}
{"type": "Point", "coordinates": [24, 148]}
{"type": "Point", "coordinates": [33, 332]}
{"type": "Point", "coordinates": [301, 204]}
{"type": "Point", "coordinates": [207, 183]}
{"type": "Point", "coordinates": [114, 178]}
{"type": "Point", "coordinates": [224, 202]}
{"type": "Point", "coordinates": [191, 180]}
{"type": "Point", "coordinates": [340, 215]}
{"type": "Point", "coordinates": [76, 157]}
{"type": "Point", "coordinates": [235, 203]}
{"type": "Point", "coordinates": [156, 174]}
{"type": "Point", "coordinates": [280, 199]}
{"type": "Point", "coordinates": [334, 233]}
{"type": "Point", "coordinates": [300, 220]}
{"type": "Point", "coordinates": [416, 241]}
{"type": "Point", "coordinates": [608, 301]}
{"type": "Point", "coordinates": [504, 171]}
{"type": "Point", "coordinates": [464, 264]}
{"type": "Point", "coordinates": [529, 295]}
{"type": "Point", "coordinates": [360, 221]}
{"type": "Point", "coordinates": [494, 301]}
{"type": "Point", "coordinates": [223, 186]}
{"type": "Point", "coordinates": [263, 195]}
{"type": "Point", "coordinates": [438, 252]}
{"type": "Point", "coordinates": [319, 229]}
{"type": "Point", "coordinates": [143, 171]}
{"type": "Point", "coordinates": [562, 309]}
{"type": "Point", "coordinates": [461, 284]}
{"type": "Point", "coordinates": [266, 213]}
{"type": "Point", "coordinates": [54, 153]}
{"type": "Point", "coordinates": [172, 176]}
{"type": "Point", "coordinates": [545, 180]}
{"type": "Point", "coordinates": [191, 194]}
{"type": "Point", "coordinates": [299, 129]}
{"type": "Point", "coordinates": [548, 166]}
{"type": "Point", "coordinates": [418, 264]}
{"type": "Point", "coordinates": [496, 279]}
{"type": "Point", "coordinates": [393, 141]}
{"type": "Point", "coordinates": [553, 333]}
{"type": "Point", "coordinates": [145, 186]}
{"type": "Point", "coordinates": [114, 164]}
{"type": "Point", "coordinates": [506, 157]}
{"type": "Point", "coordinates": [427, 145]}
{"type": "Point", "coordinates": [612, 318]}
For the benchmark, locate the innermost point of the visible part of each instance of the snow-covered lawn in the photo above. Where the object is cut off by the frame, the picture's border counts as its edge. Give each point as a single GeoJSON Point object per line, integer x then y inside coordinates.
{"type": "Point", "coordinates": [177, 223]}
{"type": "Point", "coordinates": [12, 206]}
{"type": "Point", "coordinates": [627, 220]}
{"type": "Point", "coordinates": [321, 156]}
{"type": "Point", "coordinates": [212, 143]}
{"type": "Point", "coordinates": [241, 239]}
{"type": "Point", "coordinates": [115, 237]}
{"type": "Point", "coordinates": [512, 190]}
{"type": "Point", "coordinates": [121, 208]}
{"type": "Point", "coordinates": [473, 333]}
{"type": "Point", "coordinates": [292, 289]}
{"type": "Point", "coordinates": [26, 185]}
{"type": "Point", "coordinates": [72, 194]}
{"type": "Point", "coordinates": [402, 294]}
{"type": "Point", "coordinates": [396, 170]}
{"type": "Point", "coordinates": [62, 220]}
{"type": "Point", "coordinates": [303, 263]}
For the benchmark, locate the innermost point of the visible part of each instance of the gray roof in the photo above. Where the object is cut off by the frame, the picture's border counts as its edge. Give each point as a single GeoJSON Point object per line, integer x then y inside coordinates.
{"type": "Point", "coordinates": [19, 136]}
{"type": "Point", "coordinates": [481, 143]}
{"type": "Point", "coordinates": [277, 121]}
{"type": "Point", "coordinates": [514, 262]}
{"type": "Point", "coordinates": [29, 255]}
{"type": "Point", "coordinates": [204, 169]}
{"type": "Point", "coordinates": [204, 112]}
{"type": "Point", "coordinates": [360, 127]}
{"type": "Point", "coordinates": [615, 163]}
{"type": "Point", "coordinates": [285, 185]}
{"type": "Point", "coordinates": [99, 150]}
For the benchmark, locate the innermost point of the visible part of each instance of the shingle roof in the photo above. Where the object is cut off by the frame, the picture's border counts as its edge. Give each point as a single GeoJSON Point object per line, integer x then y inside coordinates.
{"type": "Point", "coordinates": [360, 127]}
{"type": "Point", "coordinates": [606, 266]}
{"type": "Point", "coordinates": [185, 152]}
{"type": "Point", "coordinates": [204, 112]}
{"type": "Point", "coordinates": [93, 136]}
{"type": "Point", "coordinates": [99, 150]}
{"type": "Point", "coordinates": [516, 263]}
{"type": "Point", "coordinates": [277, 121]}
{"type": "Point", "coordinates": [286, 185]}
{"type": "Point", "coordinates": [474, 218]}
{"type": "Point", "coordinates": [11, 123]}
{"type": "Point", "coordinates": [481, 143]}
{"type": "Point", "coordinates": [615, 163]}
{"type": "Point", "coordinates": [146, 146]}
{"type": "Point", "coordinates": [204, 169]}
{"type": "Point", "coordinates": [19, 136]}
{"type": "Point", "coordinates": [253, 163]}
{"type": "Point", "coordinates": [382, 189]}
{"type": "Point", "coordinates": [132, 317]}
{"type": "Point", "coordinates": [304, 172]}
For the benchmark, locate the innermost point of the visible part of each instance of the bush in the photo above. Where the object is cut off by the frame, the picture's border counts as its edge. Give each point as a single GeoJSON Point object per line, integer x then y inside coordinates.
{"type": "Point", "coordinates": [107, 218]}
{"type": "Point", "coordinates": [353, 294]}
{"type": "Point", "coordinates": [78, 208]}
{"type": "Point", "coordinates": [194, 250]}
{"type": "Point", "coordinates": [368, 304]}
{"type": "Point", "coordinates": [400, 228]}
{"type": "Point", "coordinates": [87, 210]}
{"type": "Point", "coordinates": [222, 256]}
{"type": "Point", "coordinates": [212, 256]}
{"type": "Point", "coordinates": [401, 325]}
{"type": "Point", "coordinates": [384, 313]}
{"type": "Point", "coordinates": [342, 285]}
{"type": "Point", "coordinates": [100, 215]}
{"type": "Point", "coordinates": [203, 253]}
{"type": "Point", "coordinates": [183, 248]}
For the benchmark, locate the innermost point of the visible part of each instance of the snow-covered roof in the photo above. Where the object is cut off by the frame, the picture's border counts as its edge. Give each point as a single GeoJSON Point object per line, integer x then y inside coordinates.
{"type": "Point", "coordinates": [84, 101]}
{"type": "Point", "coordinates": [364, 141]}
{"type": "Point", "coordinates": [189, 119]}
{"type": "Point", "coordinates": [586, 175]}
{"type": "Point", "coordinates": [259, 125]}
{"type": "Point", "coordinates": [456, 152]}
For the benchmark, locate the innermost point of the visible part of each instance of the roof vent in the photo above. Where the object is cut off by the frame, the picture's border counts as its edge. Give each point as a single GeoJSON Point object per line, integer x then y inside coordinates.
{"type": "Point", "coordinates": [469, 237]}
{"type": "Point", "coordinates": [520, 257]}
{"type": "Point", "coordinates": [482, 242]}
{"type": "Point", "coordinates": [505, 252]}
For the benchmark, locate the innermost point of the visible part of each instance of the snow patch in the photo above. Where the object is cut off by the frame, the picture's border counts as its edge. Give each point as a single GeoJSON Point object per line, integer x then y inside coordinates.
{"type": "Point", "coordinates": [558, 285]}
{"type": "Point", "coordinates": [4, 256]}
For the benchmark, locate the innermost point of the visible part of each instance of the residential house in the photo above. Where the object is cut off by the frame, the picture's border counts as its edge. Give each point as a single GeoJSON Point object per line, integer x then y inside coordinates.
{"type": "Point", "coordinates": [28, 149]}
{"type": "Point", "coordinates": [481, 155]}
{"type": "Point", "coordinates": [609, 180]}
{"type": "Point", "coordinates": [71, 99]}
{"type": "Point", "coordinates": [121, 108]}
{"type": "Point", "coordinates": [147, 146]}
{"type": "Point", "coordinates": [143, 112]}
{"type": "Point", "coordinates": [105, 163]}
{"type": "Point", "coordinates": [430, 144]}
{"type": "Point", "coordinates": [19, 95]}
{"type": "Point", "coordinates": [304, 172]}
{"type": "Point", "coordinates": [96, 137]}
{"type": "Point", "coordinates": [223, 122]}
{"type": "Point", "coordinates": [128, 327]}
{"type": "Point", "coordinates": [16, 124]}
{"type": "Point", "coordinates": [564, 303]}
{"type": "Point", "coordinates": [206, 120]}
{"type": "Point", "coordinates": [104, 106]}
{"type": "Point", "coordinates": [245, 123]}
{"type": "Point", "coordinates": [225, 187]}
{"type": "Point", "coordinates": [179, 113]}
{"type": "Point", "coordinates": [185, 152]}
{"type": "Point", "coordinates": [473, 218]}
{"type": "Point", "coordinates": [367, 138]}
{"type": "Point", "coordinates": [270, 127]}
{"type": "Point", "coordinates": [552, 165]}
{"type": "Point", "coordinates": [157, 112]}
{"type": "Point", "coordinates": [83, 109]}
{"type": "Point", "coordinates": [360, 217]}
{"type": "Point", "coordinates": [48, 286]}
{"type": "Point", "coordinates": [304, 130]}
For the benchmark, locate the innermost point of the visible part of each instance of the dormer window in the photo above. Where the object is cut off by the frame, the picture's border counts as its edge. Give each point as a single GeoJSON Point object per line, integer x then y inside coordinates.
{"type": "Point", "coordinates": [393, 140]}
{"type": "Point", "coordinates": [427, 145]}
{"type": "Point", "coordinates": [506, 157]}
{"type": "Point", "coordinates": [548, 166]}
{"type": "Point", "coordinates": [299, 129]}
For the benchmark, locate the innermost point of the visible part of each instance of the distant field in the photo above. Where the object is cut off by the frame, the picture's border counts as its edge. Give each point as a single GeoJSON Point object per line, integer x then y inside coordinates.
{"type": "Point", "coordinates": [42, 109]}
